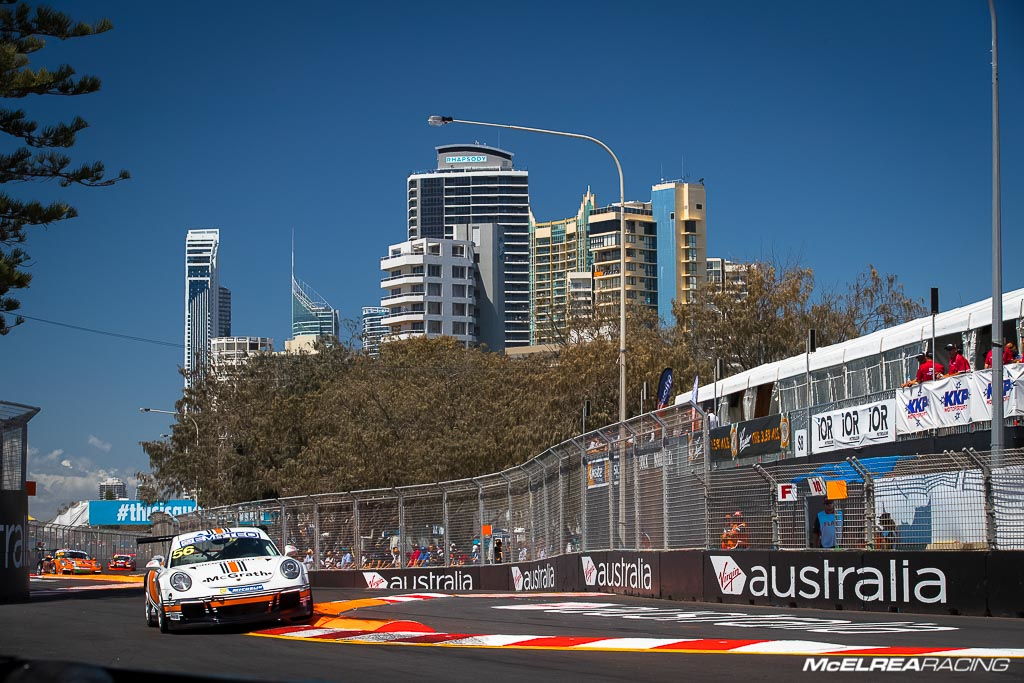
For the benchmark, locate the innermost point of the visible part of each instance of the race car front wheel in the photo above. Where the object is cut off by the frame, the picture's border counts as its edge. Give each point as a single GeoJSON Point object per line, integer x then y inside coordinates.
{"type": "Point", "coordinates": [162, 621]}
{"type": "Point", "coordinates": [150, 616]}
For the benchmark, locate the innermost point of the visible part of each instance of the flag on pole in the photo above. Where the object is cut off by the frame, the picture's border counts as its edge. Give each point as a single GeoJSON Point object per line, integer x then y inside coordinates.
{"type": "Point", "coordinates": [693, 396]}
{"type": "Point", "coordinates": [664, 388]}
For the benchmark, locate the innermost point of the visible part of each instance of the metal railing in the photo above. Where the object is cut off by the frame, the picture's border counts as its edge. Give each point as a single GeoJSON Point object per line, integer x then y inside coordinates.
{"type": "Point", "coordinates": [646, 484]}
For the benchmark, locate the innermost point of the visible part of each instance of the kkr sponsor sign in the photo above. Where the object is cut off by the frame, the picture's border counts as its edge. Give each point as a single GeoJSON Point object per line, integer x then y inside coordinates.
{"type": "Point", "coordinates": [854, 427]}
{"type": "Point", "coordinates": [834, 577]}
{"type": "Point", "coordinates": [431, 580]}
{"type": "Point", "coordinates": [538, 578]}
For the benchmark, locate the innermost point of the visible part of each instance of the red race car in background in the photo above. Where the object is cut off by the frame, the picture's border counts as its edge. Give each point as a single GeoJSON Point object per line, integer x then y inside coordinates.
{"type": "Point", "coordinates": [121, 563]}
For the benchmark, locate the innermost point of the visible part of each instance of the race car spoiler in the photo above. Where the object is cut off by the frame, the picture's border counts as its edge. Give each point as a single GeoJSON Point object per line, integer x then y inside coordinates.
{"type": "Point", "coordinates": [142, 540]}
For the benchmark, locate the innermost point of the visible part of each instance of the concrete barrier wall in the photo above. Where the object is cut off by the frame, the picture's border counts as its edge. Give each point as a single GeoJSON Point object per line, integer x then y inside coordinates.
{"type": "Point", "coordinates": [14, 567]}
{"type": "Point", "coordinates": [970, 583]}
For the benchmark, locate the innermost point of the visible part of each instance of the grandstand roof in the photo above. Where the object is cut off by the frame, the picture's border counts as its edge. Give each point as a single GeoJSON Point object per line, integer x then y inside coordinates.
{"type": "Point", "coordinates": [969, 317]}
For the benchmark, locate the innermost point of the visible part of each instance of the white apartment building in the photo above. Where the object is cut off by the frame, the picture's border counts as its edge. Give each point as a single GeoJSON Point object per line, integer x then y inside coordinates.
{"type": "Point", "coordinates": [429, 289]}
{"type": "Point", "coordinates": [230, 352]}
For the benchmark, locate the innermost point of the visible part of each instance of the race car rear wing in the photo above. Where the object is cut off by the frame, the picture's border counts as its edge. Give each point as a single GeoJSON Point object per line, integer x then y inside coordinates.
{"type": "Point", "coordinates": [142, 540]}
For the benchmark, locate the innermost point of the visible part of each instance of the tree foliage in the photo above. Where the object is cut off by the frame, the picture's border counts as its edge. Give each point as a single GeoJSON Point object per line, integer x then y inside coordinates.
{"type": "Point", "coordinates": [23, 30]}
{"type": "Point", "coordinates": [431, 410]}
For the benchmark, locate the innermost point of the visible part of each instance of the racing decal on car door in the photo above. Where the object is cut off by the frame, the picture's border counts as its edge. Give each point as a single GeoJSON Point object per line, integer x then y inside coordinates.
{"type": "Point", "coordinates": [232, 567]}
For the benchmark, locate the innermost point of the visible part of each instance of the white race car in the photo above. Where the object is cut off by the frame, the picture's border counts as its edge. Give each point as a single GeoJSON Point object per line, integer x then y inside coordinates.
{"type": "Point", "coordinates": [226, 576]}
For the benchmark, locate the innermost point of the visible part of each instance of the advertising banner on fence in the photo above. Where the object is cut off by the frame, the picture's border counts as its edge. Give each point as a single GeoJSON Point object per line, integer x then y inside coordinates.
{"type": "Point", "coordinates": [933, 405]}
{"type": "Point", "coordinates": [118, 512]}
{"type": "Point", "coordinates": [957, 400]}
{"type": "Point", "coordinates": [854, 427]}
{"type": "Point", "coordinates": [760, 436]}
{"type": "Point", "coordinates": [1013, 392]}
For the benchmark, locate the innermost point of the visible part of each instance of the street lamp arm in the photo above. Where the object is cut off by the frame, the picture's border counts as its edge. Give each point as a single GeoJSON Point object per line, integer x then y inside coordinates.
{"type": "Point", "coordinates": [442, 120]}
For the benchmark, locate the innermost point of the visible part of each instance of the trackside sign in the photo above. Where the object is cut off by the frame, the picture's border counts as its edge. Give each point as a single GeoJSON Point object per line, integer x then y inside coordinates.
{"type": "Point", "coordinates": [621, 571]}
{"type": "Point", "coordinates": [537, 578]}
{"type": "Point", "coordinates": [899, 581]}
{"type": "Point", "coordinates": [430, 580]}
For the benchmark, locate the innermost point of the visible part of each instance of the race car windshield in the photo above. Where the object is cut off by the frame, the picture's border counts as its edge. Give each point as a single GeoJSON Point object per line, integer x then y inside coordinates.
{"type": "Point", "coordinates": [219, 549]}
{"type": "Point", "coordinates": [121, 557]}
{"type": "Point", "coordinates": [74, 555]}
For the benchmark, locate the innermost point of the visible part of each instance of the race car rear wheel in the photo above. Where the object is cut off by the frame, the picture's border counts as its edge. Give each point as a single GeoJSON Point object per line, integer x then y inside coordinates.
{"type": "Point", "coordinates": [151, 620]}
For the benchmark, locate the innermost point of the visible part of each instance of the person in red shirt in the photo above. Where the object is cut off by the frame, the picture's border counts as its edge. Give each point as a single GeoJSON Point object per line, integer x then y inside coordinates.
{"type": "Point", "coordinates": [957, 363]}
{"type": "Point", "coordinates": [929, 369]}
{"type": "Point", "coordinates": [1009, 355]}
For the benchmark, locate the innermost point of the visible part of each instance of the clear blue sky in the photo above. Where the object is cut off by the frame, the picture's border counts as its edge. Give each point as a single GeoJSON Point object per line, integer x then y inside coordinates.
{"type": "Point", "coordinates": [841, 134]}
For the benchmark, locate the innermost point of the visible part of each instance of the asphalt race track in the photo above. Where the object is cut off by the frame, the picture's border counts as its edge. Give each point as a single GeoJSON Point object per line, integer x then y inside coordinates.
{"type": "Point", "coordinates": [539, 637]}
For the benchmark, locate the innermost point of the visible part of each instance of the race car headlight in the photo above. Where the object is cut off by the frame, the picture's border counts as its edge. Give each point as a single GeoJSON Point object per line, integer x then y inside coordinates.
{"type": "Point", "coordinates": [180, 581]}
{"type": "Point", "coordinates": [290, 569]}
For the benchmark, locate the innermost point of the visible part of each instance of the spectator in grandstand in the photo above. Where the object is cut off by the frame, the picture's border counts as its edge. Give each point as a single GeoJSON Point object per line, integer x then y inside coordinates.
{"type": "Point", "coordinates": [474, 555]}
{"type": "Point", "coordinates": [957, 362]}
{"type": "Point", "coordinates": [346, 560]}
{"type": "Point", "coordinates": [1009, 355]}
{"type": "Point", "coordinates": [828, 525]}
{"type": "Point", "coordinates": [497, 551]}
{"type": "Point", "coordinates": [927, 370]}
{"type": "Point", "coordinates": [396, 557]}
{"type": "Point", "coordinates": [308, 559]}
{"type": "Point", "coordinates": [736, 534]}
{"type": "Point", "coordinates": [522, 554]}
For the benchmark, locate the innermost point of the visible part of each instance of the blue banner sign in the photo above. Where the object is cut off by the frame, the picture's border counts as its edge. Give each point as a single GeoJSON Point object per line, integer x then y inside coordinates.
{"type": "Point", "coordinates": [116, 512]}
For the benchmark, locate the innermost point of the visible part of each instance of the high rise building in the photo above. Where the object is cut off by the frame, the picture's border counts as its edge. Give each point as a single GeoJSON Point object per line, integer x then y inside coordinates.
{"type": "Point", "coordinates": [429, 289]}
{"type": "Point", "coordinates": [311, 314]}
{"type": "Point", "coordinates": [641, 271]}
{"type": "Point", "coordinates": [371, 329]}
{"type": "Point", "coordinates": [223, 312]}
{"type": "Point", "coordinates": [727, 275]}
{"type": "Point", "coordinates": [203, 318]}
{"type": "Point", "coordinates": [113, 488]}
{"type": "Point", "coordinates": [560, 261]}
{"type": "Point", "coordinates": [476, 186]}
{"type": "Point", "coordinates": [680, 211]}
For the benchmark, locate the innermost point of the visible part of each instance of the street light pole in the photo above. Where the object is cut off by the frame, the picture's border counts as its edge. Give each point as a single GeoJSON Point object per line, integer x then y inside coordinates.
{"type": "Point", "coordinates": [178, 414]}
{"type": "Point", "coordinates": [997, 255]}
{"type": "Point", "coordinates": [442, 120]}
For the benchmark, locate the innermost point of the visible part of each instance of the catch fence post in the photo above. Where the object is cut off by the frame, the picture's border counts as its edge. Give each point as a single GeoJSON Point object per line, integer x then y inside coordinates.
{"type": "Point", "coordinates": [316, 534]}
{"type": "Point", "coordinates": [444, 521]}
{"type": "Point", "coordinates": [583, 496]}
{"type": "Point", "coordinates": [401, 528]}
{"type": "Point", "coordinates": [357, 540]}
{"type": "Point", "coordinates": [284, 523]}
{"type": "Point", "coordinates": [774, 504]}
{"type": "Point", "coordinates": [991, 536]}
{"type": "Point", "coordinates": [560, 540]}
{"type": "Point", "coordinates": [869, 501]}
{"type": "Point", "coordinates": [479, 531]}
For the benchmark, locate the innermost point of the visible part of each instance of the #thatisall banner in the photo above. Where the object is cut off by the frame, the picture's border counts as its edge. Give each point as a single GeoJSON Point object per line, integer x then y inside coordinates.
{"type": "Point", "coordinates": [854, 427]}
{"type": "Point", "coordinates": [118, 512]}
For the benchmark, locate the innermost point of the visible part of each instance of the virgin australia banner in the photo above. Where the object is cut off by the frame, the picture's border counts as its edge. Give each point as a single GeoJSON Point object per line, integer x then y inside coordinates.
{"type": "Point", "coordinates": [957, 400]}
{"type": "Point", "coordinates": [854, 427]}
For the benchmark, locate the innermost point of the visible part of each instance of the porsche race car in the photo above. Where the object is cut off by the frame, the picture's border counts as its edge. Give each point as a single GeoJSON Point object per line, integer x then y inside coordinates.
{"type": "Point", "coordinates": [68, 561]}
{"type": "Point", "coordinates": [121, 563]}
{"type": "Point", "coordinates": [226, 576]}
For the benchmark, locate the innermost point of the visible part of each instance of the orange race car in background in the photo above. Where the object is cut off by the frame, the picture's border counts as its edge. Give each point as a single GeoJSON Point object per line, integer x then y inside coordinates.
{"type": "Point", "coordinates": [75, 562]}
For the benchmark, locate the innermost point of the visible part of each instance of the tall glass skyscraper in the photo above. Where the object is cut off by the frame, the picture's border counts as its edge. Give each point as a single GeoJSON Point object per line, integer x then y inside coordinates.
{"type": "Point", "coordinates": [203, 298]}
{"type": "Point", "coordinates": [476, 186]}
{"type": "Point", "coordinates": [311, 314]}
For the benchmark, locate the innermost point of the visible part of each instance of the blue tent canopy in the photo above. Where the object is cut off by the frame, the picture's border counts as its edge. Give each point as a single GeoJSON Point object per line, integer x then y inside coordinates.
{"type": "Point", "coordinates": [843, 471]}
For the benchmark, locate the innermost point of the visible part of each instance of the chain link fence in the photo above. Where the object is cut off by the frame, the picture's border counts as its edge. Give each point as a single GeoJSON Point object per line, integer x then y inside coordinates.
{"type": "Point", "coordinates": [102, 544]}
{"type": "Point", "coordinates": [645, 484]}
